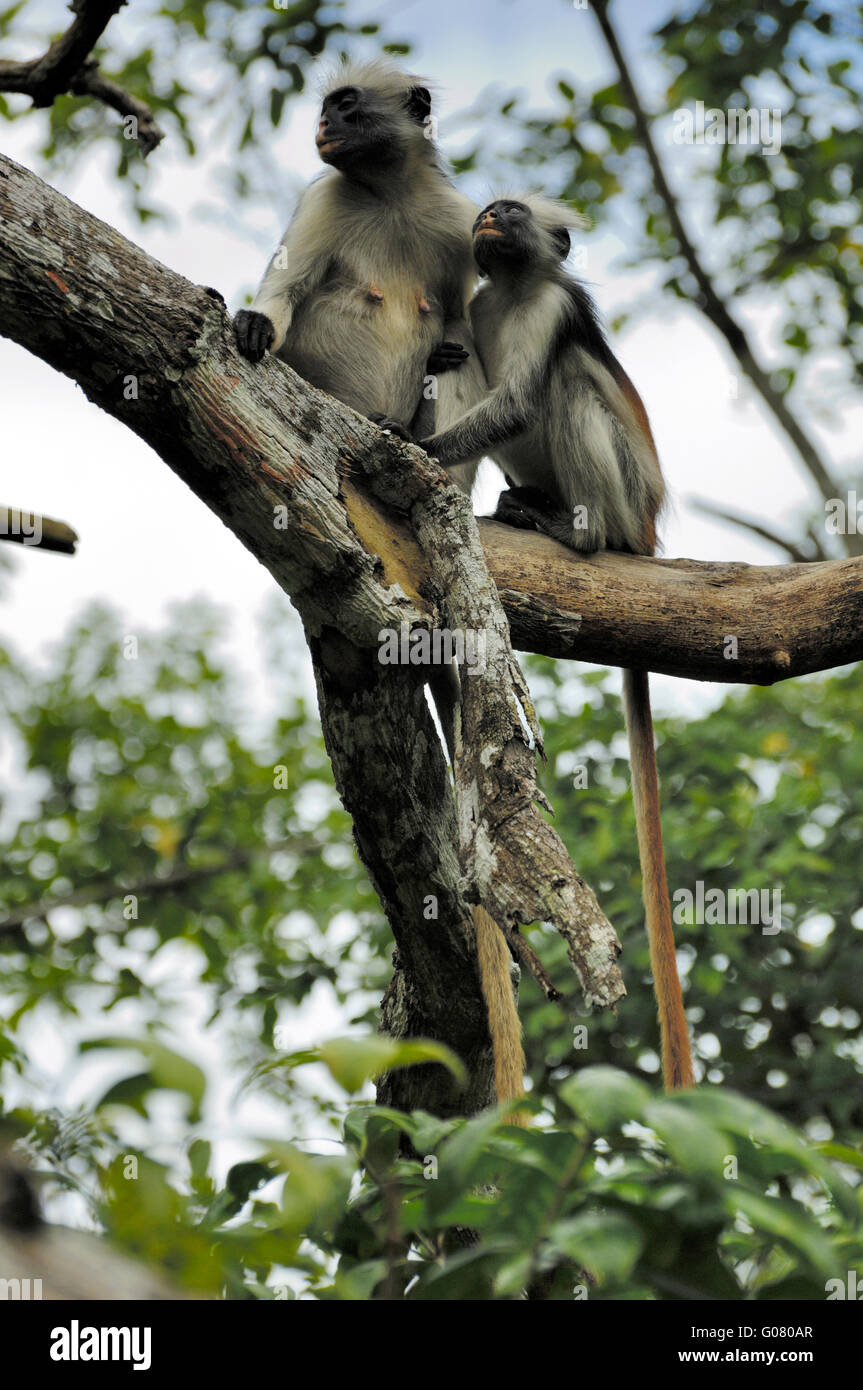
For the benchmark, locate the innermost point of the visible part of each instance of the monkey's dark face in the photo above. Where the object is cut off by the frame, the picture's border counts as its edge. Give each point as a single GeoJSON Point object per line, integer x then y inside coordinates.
{"type": "Point", "coordinates": [503, 235]}
{"type": "Point", "coordinates": [356, 128]}
{"type": "Point", "coordinates": [506, 236]}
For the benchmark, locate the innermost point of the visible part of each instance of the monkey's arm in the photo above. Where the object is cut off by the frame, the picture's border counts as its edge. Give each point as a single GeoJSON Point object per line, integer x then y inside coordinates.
{"type": "Point", "coordinates": [299, 266]}
{"type": "Point", "coordinates": [502, 416]}
{"type": "Point", "coordinates": [493, 418]}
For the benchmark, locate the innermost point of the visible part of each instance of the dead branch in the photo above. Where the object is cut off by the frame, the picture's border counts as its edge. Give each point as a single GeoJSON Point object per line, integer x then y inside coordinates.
{"type": "Point", "coordinates": [67, 66]}
{"type": "Point", "coordinates": [36, 532]}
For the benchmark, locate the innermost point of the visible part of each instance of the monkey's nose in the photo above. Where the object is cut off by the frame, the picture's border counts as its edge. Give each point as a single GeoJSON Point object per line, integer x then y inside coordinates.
{"type": "Point", "coordinates": [487, 223]}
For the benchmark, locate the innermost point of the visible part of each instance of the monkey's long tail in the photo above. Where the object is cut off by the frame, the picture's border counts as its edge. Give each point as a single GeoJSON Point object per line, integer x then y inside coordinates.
{"type": "Point", "coordinates": [674, 1034]}
{"type": "Point", "coordinates": [504, 1023]}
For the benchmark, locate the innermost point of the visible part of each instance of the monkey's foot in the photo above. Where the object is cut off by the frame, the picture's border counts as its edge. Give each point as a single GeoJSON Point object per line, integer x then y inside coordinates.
{"type": "Point", "coordinates": [384, 422]}
{"type": "Point", "coordinates": [528, 508]}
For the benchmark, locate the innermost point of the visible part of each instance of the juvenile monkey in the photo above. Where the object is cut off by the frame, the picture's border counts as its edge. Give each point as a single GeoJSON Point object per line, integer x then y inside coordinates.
{"type": "Point", "coordinates": [569, 430]}
{"type": "Point", "coordinates": [367, 292]}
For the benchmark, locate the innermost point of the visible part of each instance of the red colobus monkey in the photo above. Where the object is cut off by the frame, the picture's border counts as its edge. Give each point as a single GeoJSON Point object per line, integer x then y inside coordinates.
{"type": "Point", "coordinates": [571, 434]}
{"type": "Point", "coordinates": [369, 288]}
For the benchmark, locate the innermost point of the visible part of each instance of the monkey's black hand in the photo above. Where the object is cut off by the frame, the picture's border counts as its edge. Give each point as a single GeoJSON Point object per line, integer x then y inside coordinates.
{"type": "Point", "coordinates": [446, 357]}
{"type": "Point", "coordinates": [254, 333]}
{"type": "Point", "coordinates": [384, 422]}
{"type": "Point", "coordinates": [528, 508]}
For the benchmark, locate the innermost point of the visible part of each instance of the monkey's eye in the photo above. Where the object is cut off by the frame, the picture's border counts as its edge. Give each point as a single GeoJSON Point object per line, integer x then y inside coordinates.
{"type": "Point", "coordinates": [346, 100]}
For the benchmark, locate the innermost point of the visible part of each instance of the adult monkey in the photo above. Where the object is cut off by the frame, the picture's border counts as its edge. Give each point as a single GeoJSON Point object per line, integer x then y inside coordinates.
{"type": "Point", "coordinates": [367, 292]}
{"type": "Point", "coordinates": [569, 429]}
{"type": "Point", "coordinates": [369, 288]}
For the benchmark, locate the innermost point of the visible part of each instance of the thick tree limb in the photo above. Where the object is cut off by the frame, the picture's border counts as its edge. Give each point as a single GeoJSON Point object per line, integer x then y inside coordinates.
{"type": "Point", "coordinates": [676, 616]}
{"type": "Point", "coordinates": [68, 67]}
{"type": "Point", "coordinates": [515, 862]}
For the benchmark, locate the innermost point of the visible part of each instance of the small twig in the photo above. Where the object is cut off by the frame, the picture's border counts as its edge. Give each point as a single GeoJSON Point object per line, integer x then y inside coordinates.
{"type": "Point", "coordinates": [90, 82]}
{"type": "Point", "coordinates": [104, 890]}
{"type": "Point", "coordinates": [36, 532]}
{"type": "Point", "coordinates": [531, 962]}
{"type": "Point", "coordinates": [67, 66]}
{"type": "Point", "coordinates": [758, 528]}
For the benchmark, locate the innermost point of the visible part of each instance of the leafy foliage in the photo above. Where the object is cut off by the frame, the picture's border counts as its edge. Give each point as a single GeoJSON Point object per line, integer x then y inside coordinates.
{"type": "Point", "coordinates": [762, 793]}
{"type": "Point", "coordinates": [138, 773]}
{"type": "Point", "coordinates": [146, 795]}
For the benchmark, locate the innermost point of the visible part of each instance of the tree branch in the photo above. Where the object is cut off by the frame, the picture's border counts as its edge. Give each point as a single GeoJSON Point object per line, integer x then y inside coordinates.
{"type": "Point", "coordinates": [711, 302]}
{"type": "Point", "coordinates": [748, 523]}
{"type": "Point", "coordinates": [676, 616]}
{"type": "Point", "coordinates": [68, 67]}
{"type": "Point", "coordinates": [36, 532]}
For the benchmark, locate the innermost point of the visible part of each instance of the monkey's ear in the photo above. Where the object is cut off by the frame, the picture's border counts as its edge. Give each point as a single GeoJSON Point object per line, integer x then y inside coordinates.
{"type": "Point", "coordinates": [562, 243]}
{"type": "Point", "coordinates": [418, 103]}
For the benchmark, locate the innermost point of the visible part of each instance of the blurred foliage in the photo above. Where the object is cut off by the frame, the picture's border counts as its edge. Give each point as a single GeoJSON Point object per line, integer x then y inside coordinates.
{"type": "Point", "coordinates": [140, 780]}
{"type": "Point", "coordinates": [145, 771]}
{"type": "Point", "coordinates": [763, 793]}
{"type": "Point", "coordinates": [219, 71]}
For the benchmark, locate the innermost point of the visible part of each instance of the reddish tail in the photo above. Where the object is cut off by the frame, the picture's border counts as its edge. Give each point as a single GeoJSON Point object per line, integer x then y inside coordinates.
{"type": "Point", "coordinates": [674, 1034]}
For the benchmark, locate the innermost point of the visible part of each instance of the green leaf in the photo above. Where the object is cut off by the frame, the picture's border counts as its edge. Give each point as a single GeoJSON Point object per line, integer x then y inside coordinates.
{"type": "Point", "coordinates": [605, 1243]}
{"type": "Point", "coordinates": [168, 1070]}
{"type": "Point", "coordinates": [354, 1061]}
{"type": "Point", "coordinates": [605, 1098]}
{"type": "Point", "coordinates": [694, 1144]}
{"type": "Point", "coordinates": [787, 1223]}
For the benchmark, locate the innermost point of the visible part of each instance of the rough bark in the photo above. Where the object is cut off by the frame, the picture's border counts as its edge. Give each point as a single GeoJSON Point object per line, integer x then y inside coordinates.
{"type": "Point", "coordinates": [676, 616]}
{"type": "Point", "coordinates": [379, 735]}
